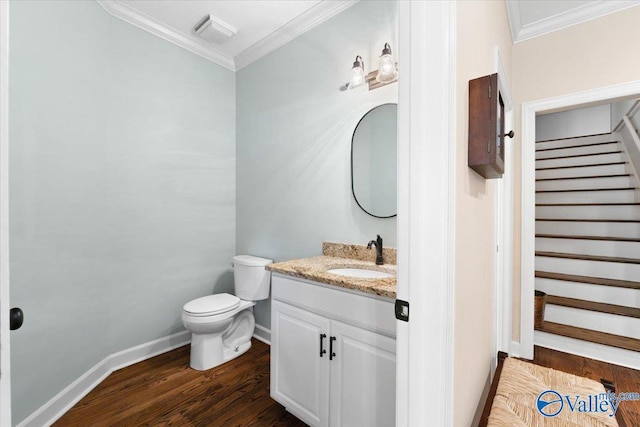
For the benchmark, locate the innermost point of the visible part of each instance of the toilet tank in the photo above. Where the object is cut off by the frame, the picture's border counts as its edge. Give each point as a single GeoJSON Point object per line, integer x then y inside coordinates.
{"type": "Point", "coordinates": [252, 280]}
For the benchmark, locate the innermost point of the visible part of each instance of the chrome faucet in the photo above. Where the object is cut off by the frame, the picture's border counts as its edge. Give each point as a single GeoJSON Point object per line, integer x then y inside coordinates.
{"type": "Point", "coordinates": [378, 244]}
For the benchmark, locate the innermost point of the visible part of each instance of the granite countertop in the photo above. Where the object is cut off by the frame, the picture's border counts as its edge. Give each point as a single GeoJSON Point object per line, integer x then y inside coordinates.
{"type": "Point", "coordinates": [315, 268]}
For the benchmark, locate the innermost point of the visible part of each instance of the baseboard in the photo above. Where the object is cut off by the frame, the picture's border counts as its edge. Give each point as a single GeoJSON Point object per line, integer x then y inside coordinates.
{"type": "Point", "coordinates": [616, 356]}
{"type": "Point", "coordinates": [63, 401]}
{"type": "Point", "coordinates": [262, 334]}
{"type": "Point", "coordinates": [514, 349]}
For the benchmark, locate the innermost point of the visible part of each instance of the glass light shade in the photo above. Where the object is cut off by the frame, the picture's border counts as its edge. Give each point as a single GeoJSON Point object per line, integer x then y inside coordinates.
{"type": "Point", "coordinates": [387, 71]}
{"type": "Point", "coordinates": [357, 77]}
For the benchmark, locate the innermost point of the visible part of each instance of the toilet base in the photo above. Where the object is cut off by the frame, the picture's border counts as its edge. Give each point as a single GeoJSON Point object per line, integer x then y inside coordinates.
{"type": "Point", "coordinates": [211, 350]}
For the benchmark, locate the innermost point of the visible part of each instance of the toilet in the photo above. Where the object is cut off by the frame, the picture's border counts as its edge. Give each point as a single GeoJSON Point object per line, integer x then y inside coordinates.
{"type": "Point", "coordinates": [221, 325]}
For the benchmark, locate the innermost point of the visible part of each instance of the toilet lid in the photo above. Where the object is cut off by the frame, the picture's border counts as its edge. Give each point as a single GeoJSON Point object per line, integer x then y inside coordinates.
{"type": "Point", "coordinates": [212, 304]}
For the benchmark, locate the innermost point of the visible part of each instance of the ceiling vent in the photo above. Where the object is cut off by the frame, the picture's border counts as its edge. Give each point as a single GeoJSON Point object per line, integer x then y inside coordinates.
{"type": "Point", "coordinates": [214, 30]}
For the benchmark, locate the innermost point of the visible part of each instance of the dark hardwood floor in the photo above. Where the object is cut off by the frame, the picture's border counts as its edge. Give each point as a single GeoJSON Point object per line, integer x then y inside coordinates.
{"type": "Point", "coordinates": [624, 379]}
{"type": "Point", "coordinates": [165, 391]}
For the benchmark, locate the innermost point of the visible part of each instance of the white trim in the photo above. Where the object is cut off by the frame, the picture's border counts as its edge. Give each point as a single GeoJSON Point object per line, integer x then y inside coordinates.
{"type": "Point", "coordinates": [300, 25]}
{"type": "Point", "coordinates": [504, 224]}
{"type": "Point", "coordinates": [262, 334]}
{"type": "Point", "coordinates": [63, 401]}
{"type": "Point", "coordinates": [5, 354]}
{"type": "Point", "coordinates": [283, 35]}
{"type": "Point", "coordinates": [527, 262]}
{"type": "Point", "coordinates": [515, 18]}
{"type": "Point", "coordinates": [157, 28]}
{"type": "Point", "coordinates": [587, 12]}
{"type": "Point", "coordinates": [498, 272]}
{"type": "Point", "coordinates": [617, 356]}
{"type": "Point", "coordinates": [426, 212]}
{"type": "Point", "coordinates": [514, 349]}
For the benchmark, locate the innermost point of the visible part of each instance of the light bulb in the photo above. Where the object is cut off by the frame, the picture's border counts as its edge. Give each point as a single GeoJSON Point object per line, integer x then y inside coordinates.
{"type": "Point", "coordinates": [357, 74]}
{"type": "Point", "coordinates": [387, 71]}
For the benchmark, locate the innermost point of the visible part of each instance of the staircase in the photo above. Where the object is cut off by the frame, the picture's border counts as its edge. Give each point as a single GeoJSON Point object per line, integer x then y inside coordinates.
{"type": "Point", "coordinates": [588, 247]}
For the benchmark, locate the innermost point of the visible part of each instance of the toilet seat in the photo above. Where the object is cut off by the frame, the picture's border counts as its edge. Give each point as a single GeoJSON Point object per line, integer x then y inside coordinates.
{"type": "Point", "coordinates": [211, 305]}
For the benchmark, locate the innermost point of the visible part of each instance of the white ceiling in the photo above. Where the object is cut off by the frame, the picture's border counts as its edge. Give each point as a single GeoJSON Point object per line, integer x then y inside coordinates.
{"type": "Point", "coordinates": [533, 18]}
{"type": "Point", "coordinates": [265, 25]}
{"type": "Point", "coordinates": [262, 25]}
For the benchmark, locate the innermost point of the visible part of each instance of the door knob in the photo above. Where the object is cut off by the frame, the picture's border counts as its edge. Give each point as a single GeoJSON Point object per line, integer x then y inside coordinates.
{"type": "Point", "coordinates": [16, 318]}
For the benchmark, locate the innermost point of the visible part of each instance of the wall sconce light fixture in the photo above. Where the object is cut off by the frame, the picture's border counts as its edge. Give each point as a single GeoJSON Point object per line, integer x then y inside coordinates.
{"type": "Point", "coordinates": [357, 74]}
{"type": "Point", "coordinates": [387, 72]}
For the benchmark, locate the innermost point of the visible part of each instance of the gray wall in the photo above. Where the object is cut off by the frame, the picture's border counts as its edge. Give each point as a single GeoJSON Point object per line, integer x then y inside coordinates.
{"type": "Point", "coordinates": [579, 122]}
{"type": "Point", "coordinates": [122, 189]}
{"type": "Point", "coordinates": [294, 130]}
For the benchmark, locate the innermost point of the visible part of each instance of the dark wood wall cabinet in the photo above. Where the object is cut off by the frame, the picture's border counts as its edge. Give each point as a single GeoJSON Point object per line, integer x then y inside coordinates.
{"type": "Point", "coordinates": [486, 127]}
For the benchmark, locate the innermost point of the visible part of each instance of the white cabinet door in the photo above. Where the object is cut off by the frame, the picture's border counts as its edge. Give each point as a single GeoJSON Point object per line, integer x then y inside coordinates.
{"type": "Point", "coordinates": [363, 378]}
{"type": "Point", "coordinates": [299, 374]}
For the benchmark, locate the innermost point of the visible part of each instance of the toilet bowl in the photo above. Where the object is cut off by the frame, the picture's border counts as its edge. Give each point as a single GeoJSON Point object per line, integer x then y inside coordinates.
{"type": "Point", "coordinates": [222, 325]}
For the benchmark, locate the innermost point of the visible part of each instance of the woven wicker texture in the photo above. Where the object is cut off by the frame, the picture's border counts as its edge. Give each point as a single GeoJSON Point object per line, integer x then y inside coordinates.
{"type": "Point", "coordinates": [520, 385]}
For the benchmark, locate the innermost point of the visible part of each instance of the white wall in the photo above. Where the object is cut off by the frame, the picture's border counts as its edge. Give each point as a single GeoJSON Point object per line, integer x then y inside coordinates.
{"type": "Point", "coordinates": [578, 122]}
{"type": "Point", "coordinates": [122, 189]}
{"type": "Point", "coordinates": [294, 130]}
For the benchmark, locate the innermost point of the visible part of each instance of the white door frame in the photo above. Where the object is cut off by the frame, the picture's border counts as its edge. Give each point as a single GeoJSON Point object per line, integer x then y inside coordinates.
{"type": "Point", "coordinates": [5, 371]}
{"type": "Point", "coordinates": [503, 226]}
{"type": "Point", "coordinates": [529, 112]}
{"type": "Point", "coordinates": [426, 212]}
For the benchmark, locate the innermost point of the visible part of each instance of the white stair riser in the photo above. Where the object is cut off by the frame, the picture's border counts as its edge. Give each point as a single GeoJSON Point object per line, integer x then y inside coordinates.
{"type": "Point", "coordinates": [590, 292]}
{"type": "Point", "coordinates": [590, 247]}
{"type": "Point", "coordinates": [584, 184]}
{"type": "Point", "coordinates": [609, 270]}
{"type": "Point", "coordinates": [603, 322]}
{"type": "Point", "coordinates": [587, 149]}
{"type": "Point", "coordinates": [572, 142]}
{"type": "Point", "coordinates": [584, 171]}
{"type": "Point", "coordinates": [628, 212]}
{"type": "Point", "coordinates": [576, 161]}
{"type": "Point", "coordinates": [608, 196]}
{"type": "Point", "coordinates": [605, 229]}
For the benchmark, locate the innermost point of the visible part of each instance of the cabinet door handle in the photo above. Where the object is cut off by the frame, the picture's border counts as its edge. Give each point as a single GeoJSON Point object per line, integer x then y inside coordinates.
{"type": "Point", "coordinates": [331, 353]}
{"type": "Point", "coordinates": [322, 337]}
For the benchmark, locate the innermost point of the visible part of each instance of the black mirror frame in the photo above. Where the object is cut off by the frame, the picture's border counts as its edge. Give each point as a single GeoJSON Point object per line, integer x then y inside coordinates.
{"type": "Point", "coordinates": [352, 186]}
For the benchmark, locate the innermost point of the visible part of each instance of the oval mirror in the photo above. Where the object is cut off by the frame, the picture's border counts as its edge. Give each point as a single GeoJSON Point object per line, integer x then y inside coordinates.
{"type": "Point", "coordinates": [373, 161]}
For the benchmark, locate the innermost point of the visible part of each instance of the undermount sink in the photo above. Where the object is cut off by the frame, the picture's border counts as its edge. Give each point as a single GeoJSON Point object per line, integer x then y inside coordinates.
{"type": "Point", "coordinates": [360, 273]}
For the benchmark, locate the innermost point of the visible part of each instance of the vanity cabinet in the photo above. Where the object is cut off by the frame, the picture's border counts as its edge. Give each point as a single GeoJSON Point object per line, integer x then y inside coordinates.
{"type": "Point", "coordinates": [332, 354]}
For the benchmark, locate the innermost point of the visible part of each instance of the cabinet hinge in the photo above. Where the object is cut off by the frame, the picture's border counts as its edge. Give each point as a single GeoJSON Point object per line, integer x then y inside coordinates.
{"type": "Point", "coordinates": [489, 91]}
{"type": "Point", "coordinates": [402, 310]}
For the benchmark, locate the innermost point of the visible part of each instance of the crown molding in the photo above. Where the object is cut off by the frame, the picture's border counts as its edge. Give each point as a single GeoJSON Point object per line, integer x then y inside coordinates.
{"type": "Point", "coordinates": [313, 17]}
{"type": "Point", "coordinates": [294, 28]}
{"type": "Point", "coordinates": [563, 20]}
{"type": "Point", "coordinates": [514, 15]}
{"type": "Point", "coordinates": [157, 28]}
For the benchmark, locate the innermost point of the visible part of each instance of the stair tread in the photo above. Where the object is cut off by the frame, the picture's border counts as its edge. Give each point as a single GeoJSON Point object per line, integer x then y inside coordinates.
{"type": "Point", "coordinates": [580, 155]}
{"type": "Point", "coordinates": [588, 220]}
{"type": "Point", "coordinates": [588, 257]}
{"type": "Point", "coordinates": [581, 166]}
{"type": "Point", "coordinates": [590, 335]}
{"type": "Point", "coordinates": [602, 281]}
{"type": "Point", "coordinates": [600, 307]}
{"type": "Point", "coordinates": [575, 137]}
{"type": "Point", "coordinates": [607, 238]}
{"type": "Point", "coordinates": [586, 189]}
{"type": "Point", "coordinates": [585, 177]}
{"type": "Point", "coordinates": [575, 146]}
